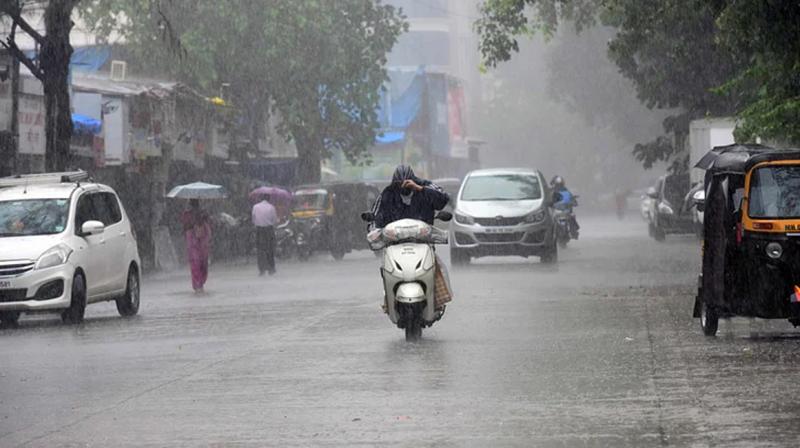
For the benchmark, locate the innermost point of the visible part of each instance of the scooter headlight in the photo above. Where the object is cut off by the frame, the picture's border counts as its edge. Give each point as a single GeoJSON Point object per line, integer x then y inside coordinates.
{"type": "Point", "coordinates": [774, 250]}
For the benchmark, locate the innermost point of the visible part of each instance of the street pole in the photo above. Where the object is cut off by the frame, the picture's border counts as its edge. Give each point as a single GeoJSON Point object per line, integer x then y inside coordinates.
{"type": "Point", "coordinates": [13, 161]}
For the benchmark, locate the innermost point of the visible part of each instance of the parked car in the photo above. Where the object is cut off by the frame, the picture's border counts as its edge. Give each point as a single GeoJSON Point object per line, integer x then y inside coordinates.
{"type": "Point", "coordinates": [65, 242]}
{"type": "Point", "coordinates": [690, 204]}
{"type": "Point", "coordinates": [503, 212]}
{"type": "Point", "coordinates": [668, 215]}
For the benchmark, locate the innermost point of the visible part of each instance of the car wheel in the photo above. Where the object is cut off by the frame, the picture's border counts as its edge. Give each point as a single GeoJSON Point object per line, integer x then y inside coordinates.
{"type": "Point", "coordinates": [550, 256]}
{"type": "Point", "coordinates": [9, 318]}
{"type": "Point", "coordinates": [337, 254]}
{"type": "Point", "coordinates": [77, 306]}
{"type": "Point", "coordinates": [458, 257]}
{"type": "Point", "coordinates": [709, 320]}
{"type": "Point", "coordinates": [128, 304]}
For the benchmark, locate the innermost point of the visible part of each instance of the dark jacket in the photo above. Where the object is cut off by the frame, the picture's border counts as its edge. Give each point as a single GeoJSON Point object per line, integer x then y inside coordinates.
{"type": "Point", "coordinates": [390, 207]}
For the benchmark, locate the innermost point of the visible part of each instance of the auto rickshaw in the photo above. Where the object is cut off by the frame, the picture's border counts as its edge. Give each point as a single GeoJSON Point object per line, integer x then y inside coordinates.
{"type": "Point", "coordinates": [327, 217]}
{"type": "Point", "coordinates": [751, 245]}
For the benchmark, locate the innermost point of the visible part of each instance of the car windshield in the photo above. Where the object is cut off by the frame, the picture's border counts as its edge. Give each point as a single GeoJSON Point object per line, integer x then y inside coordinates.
{"type": "Point", "coordinates": [502, 187]}
{"type": "Point", "coordinates": [775, 192]}
{"type": "Point", "coordinates": [310, 200]}
{"type": "Point", "coordinates": [33, 217]}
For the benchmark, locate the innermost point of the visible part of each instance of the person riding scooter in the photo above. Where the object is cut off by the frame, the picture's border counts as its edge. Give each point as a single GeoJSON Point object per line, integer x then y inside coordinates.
{"type": "Point", "coordinates": [408, 197]}
{"type": "Point", "coordinates": [565, 200]}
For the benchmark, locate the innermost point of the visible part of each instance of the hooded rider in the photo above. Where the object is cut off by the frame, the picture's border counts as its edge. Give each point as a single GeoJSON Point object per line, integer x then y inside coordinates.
{"type": "Point", "coordinates": [408, 197]}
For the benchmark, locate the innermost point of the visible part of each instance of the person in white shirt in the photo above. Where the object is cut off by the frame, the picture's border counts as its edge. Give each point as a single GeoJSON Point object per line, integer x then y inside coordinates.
{"type": "Point", "coordinates": [265, 218]}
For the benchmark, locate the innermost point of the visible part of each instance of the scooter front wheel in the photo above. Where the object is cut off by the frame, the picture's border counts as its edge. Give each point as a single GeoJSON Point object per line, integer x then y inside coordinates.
{"type": "Point", "coordinates": [413, 331]}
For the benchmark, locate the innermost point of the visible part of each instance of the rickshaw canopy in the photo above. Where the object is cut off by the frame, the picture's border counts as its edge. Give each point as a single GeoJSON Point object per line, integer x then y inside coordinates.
{"type": "Point", "coordinates": [738, 159]}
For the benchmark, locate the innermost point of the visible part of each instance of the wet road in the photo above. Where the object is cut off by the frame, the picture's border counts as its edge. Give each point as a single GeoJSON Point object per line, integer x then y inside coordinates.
{"type": "Point", "coordinates": [601, 351]}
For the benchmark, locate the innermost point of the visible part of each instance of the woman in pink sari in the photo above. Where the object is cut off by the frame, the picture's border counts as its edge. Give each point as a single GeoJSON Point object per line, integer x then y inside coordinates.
{"type": "Point", "coordinates": [197, 230]}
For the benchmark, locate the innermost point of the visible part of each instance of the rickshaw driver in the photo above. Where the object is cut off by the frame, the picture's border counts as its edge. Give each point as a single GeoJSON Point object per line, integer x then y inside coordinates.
{"type": "Point", "coordinates": [790, 204]}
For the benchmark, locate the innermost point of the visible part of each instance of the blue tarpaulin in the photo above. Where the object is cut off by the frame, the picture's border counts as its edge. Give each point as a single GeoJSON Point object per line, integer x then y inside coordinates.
{"type": "Point", "coordinates": [398, 110]}
{"type": "Point", "coordinates": [86, 125]}
{"type": "Point", "coordinates": [390, 137]}
{"type": "Point", "coordinates": [85, 59]}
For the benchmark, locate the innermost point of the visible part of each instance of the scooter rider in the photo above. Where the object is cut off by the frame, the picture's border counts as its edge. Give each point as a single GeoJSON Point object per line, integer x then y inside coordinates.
{"type": "Point", "coordinates": [566, 201]}
{"type": "Point", "coordinates": [408, 197]}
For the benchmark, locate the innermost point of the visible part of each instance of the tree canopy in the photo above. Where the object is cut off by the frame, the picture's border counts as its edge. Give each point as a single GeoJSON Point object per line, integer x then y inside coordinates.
{"type": "Point", "coordinates": [701, 57]}
{"type": "Point", "coordinates": [319, 64]}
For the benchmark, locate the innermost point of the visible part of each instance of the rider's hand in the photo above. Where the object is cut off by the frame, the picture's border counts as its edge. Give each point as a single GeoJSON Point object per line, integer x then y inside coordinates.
{"type": "Point", "coordinates": [408, 183]}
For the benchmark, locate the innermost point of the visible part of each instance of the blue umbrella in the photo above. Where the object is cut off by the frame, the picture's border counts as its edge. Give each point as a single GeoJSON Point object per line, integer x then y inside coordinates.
{"type": "Point", "coordinates": [198, 190]}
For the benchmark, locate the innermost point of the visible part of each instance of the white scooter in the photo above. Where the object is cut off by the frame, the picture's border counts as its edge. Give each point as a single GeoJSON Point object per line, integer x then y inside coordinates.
{"type": "Point", "coordinates": [408, 271]}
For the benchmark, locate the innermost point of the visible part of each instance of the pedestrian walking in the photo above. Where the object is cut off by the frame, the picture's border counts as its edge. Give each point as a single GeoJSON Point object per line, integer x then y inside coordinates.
{"type": "Point", "coordinates": [265, 218]}
{"type": "Point", "coordinates": [197, 231]}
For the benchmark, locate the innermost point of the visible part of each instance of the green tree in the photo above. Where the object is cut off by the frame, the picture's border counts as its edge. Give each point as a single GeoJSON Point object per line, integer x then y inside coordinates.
{"type": "Point", "coordinates": [51, 67]}
{"type": "Point", "coordinates": [764, 36]}
{"type": "Point", "coordinates": [319, 64]}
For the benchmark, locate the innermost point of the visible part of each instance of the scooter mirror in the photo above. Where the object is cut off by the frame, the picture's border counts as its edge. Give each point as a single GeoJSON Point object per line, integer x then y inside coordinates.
{"type": "Point", "coordinates": [368, 217]}
{"type": "Point", "coordinates": [444, 216]}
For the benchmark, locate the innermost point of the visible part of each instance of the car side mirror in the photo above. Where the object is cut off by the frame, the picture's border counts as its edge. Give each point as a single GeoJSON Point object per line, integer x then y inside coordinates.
{"type": "Point", "coordinates": [92, 228]}
{"type": "Point", "coordinates": [699, 199]}
{"type": "Point", "coordinates": [444, 216]}
{"type": "Point", "coordinates": [652, 193]}
{"type": "Point", "coordinates": [368, 217]}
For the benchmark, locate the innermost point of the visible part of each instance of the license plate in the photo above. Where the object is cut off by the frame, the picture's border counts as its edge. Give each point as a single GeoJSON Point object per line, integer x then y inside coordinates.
{"type": "Point", "coordinates": [5, 284]}
{"type": "Point", "coordinates": [499, 230]}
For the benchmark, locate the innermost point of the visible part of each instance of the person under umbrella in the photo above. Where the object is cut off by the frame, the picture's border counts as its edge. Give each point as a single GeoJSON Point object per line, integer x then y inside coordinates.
{"type": "Point", "coordinates": [197, 231]}
{"type": "Point", "coordinates": [265, 218]}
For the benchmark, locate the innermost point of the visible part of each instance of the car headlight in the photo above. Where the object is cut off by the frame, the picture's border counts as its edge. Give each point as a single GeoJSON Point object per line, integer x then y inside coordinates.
{"type": "Point", "coordinates": [55, 256]}
{"type": "Point", "coordinates": [464, 219]}
{"type": "Point", "coordinates": [537, 216]}
{"type": "Point", "coordinates": [665, 209]}
{"type": "Point", "coordinates": [774, 250]}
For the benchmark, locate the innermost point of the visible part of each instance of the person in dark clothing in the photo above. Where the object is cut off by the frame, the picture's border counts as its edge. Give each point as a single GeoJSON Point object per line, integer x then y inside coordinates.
{"type": "Point", "coordinates": [408, 197]}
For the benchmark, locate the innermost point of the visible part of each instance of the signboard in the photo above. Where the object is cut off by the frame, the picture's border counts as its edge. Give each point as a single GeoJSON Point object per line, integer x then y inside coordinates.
{"type": "Point", "coordinates": [30, 119]}
{"type": "Point", "coordinates": [115, 135]}
{"type": "Point", "coordinates": [455, 118]}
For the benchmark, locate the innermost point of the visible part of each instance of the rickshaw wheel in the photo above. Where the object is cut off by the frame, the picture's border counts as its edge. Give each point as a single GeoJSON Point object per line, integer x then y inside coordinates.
{"type": "Point", "coordinates": [709, 320]}
{"type": "Point", "coordinates": [337, 254]}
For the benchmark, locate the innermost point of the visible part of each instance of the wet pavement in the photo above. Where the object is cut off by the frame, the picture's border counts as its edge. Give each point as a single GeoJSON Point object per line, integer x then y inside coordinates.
{"type": "Point", "coordinates": [600, 351]}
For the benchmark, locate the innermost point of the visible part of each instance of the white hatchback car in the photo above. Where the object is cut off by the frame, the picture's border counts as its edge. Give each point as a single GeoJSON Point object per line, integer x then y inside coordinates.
{"type": "Point", "coordinates": [65, 242]}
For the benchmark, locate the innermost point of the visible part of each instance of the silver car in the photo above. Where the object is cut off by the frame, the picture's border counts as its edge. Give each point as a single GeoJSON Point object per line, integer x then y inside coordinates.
{"type": "Point", "coordinates": [503, 212]}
